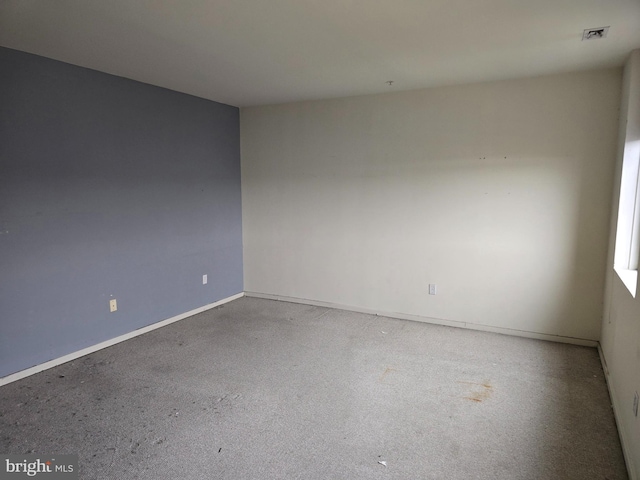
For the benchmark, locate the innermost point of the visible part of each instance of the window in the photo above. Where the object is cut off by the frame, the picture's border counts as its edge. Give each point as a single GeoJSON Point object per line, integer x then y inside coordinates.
{"type": "Point", "coordinates": [628, 230]}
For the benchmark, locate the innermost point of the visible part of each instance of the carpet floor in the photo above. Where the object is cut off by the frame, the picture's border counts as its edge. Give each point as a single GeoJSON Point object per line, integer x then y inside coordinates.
{"type": "Point", "coordinates": [261, 389]}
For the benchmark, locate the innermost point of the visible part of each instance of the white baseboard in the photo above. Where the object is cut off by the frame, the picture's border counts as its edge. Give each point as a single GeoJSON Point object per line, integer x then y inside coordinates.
{"type": "Point", "coordinates": [99, 346]}
{"type": "Point", "coordinates": [437, 321]}
{"type": "Point", "coordinates": [616, 408]}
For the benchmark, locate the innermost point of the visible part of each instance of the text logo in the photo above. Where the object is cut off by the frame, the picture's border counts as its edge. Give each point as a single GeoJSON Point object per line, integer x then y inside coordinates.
{"type": "Point", "coordinates": [53, 467]}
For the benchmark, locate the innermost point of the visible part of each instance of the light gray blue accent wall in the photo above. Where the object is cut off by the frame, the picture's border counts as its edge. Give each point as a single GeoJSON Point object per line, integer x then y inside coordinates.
{"type": "Point", "coordinates": [109, 188]}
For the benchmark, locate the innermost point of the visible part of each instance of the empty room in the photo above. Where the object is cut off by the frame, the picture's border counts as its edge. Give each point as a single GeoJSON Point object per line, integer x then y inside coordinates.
{"type": "Point", "coordinates": [301, 239]}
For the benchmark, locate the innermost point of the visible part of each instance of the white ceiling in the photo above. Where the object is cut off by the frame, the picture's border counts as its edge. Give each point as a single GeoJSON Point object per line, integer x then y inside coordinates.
{"type": "Point", "coordinates": [256, 52]}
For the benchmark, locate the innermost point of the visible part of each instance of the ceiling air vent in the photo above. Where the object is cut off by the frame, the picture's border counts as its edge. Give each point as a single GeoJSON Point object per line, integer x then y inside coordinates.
{"type": "Point", "coordinates": [595, 33]}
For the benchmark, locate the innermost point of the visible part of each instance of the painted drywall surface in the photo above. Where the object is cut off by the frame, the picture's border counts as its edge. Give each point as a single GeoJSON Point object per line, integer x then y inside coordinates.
{"type": "Point", "coordinates": [621, 325]}
{"type": "Point", "coordinates": [108, 187]}
{"type": "Point", "coordinates": [499, 193]}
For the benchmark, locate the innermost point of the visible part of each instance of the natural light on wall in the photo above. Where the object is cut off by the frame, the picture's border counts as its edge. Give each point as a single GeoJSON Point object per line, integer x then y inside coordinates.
{"type": "Point", "coordinates": [628, 230]}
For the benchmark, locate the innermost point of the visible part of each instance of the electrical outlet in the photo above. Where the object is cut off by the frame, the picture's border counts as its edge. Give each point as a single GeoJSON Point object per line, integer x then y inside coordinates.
{"type": "Point", "coordinates": [205, 279]}
{"type": "Point", "coordinates": [432, 289]}
{"type": "Point", "coordinates": [635, 404]}
{"type": "Point", "coordinates": [113, 305]}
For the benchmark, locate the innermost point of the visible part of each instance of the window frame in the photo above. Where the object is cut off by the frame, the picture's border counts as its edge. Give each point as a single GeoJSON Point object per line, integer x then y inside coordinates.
{"type": "Point", "coordinates": [627, 246]}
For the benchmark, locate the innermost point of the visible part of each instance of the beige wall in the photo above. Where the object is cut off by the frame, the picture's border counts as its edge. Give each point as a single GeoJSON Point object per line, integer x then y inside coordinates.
{"type": "Point", "coordinates": [500, 193]}
{"type": "Point", "coordinates": [621, 325]}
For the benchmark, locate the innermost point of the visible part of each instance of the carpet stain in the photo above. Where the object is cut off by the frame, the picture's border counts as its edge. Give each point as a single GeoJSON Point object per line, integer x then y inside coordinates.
{"type": "Point", "coordinates": [386, 371]}
{"type": "Point", "coordinates": [481, 394]}
{"type": "Point", "coordinates": [473, 399]}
